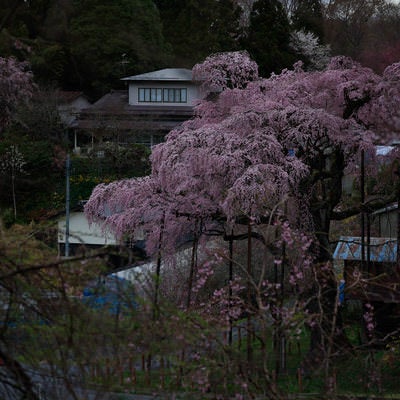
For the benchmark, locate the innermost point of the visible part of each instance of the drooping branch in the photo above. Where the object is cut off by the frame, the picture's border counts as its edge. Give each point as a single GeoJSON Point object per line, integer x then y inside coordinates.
{"type": "Point", "coordinates": [23, 382]}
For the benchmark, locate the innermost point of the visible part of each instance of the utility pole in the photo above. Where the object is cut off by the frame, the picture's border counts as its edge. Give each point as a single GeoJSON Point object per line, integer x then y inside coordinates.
{"type": "Point", "coordinates": [396, 144]}
{"type": "Point", "coordinates": [398, 217]}
{"type": "Point", "coordinates": [67, 201]}
{"type": "Point", "coordinates": [362, 200]}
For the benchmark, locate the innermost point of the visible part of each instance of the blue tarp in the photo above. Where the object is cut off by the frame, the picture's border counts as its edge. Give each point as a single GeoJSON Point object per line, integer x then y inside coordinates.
{"type": "Point", "coordinates": [380, 249]}
{"type": "Point", "coordinates": [112, 293]}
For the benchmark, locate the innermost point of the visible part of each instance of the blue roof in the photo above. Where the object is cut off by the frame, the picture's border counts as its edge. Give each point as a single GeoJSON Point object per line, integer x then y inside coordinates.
{"type": "Point", "coordinates": [381, 249]}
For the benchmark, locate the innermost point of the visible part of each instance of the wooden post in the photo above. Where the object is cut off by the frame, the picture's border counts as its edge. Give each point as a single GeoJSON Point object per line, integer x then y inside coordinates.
{"type": "Point", "coordinates": [148, 370]}
{"type": "Point", "coordinates": [249, 322]}
{"type": "Point", "coordinates": [143, 363]}
{"type": "Point", "coordinates": [162, 373]}
{"type": "Point", "coordinates": [121, 372]}
{"type": "Point", "coordinates": [132, 371]}
{"type": "Point", "coordinates": [108, 370]}
{"type": "Point", "coordinates": [300, 380]}
{"type": "Point", "coordinates": [230, 276]}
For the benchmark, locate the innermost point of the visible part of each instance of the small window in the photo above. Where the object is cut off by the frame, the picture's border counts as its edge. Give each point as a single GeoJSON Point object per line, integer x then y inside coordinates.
{"type": "Point", "coordinates": [155, 95]}
{"type": "Point", "coordinates": [183, 95]}
{"type": "Point", "coordinates": [141, 95]}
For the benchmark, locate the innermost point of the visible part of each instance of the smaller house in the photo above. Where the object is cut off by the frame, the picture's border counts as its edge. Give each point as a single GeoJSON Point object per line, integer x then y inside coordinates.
{"type": "Point", "coordinates": [385, 220]}
{"type": "Point", "coordinates": [82, 234]}
{"type": "Point", "coordinates": [373, 278]}
{"type": "Point", "coordinates": [380, 258]}
{"type": "Point", "coordinates": [83, 237]}
{"type": "Point", "coordinates": [69, 104]}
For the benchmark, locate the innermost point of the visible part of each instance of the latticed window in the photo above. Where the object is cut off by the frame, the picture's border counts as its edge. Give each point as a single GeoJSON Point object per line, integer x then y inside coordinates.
{"type": "Point", "coordinates": [159, 95]}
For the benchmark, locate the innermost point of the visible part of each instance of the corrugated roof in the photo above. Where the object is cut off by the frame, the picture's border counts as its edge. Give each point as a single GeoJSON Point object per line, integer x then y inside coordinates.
{"type": "Point", "coordinates": [167, 74]}
{"type": "Point", "coordinates": [381, 249]}
{"type": "Point", "coordinates": [389, 208]}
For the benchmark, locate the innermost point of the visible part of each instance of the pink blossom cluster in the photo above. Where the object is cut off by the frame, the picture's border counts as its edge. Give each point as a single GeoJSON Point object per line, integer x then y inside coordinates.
{"type": "Point", "coordinates": [226, 304]}
{"type": "Point", "coordinates": [369, 319]}
{"type": "Point", "coordinates": [204, 272]}
{"type": "Point", "coordinates": [225, 70]}
{"type": "Point", "coordinates": [16, 86]}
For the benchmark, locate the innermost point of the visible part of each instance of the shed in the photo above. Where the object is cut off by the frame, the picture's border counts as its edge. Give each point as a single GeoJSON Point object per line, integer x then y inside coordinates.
{"type": "Point", "coordinates": [380, 249]}
{"type": "Point", "coordinates": [374, 278]}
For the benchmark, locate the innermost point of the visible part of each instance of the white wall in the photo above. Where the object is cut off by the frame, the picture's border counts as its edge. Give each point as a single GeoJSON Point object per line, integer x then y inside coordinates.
{"type": "Point", "coordinates": [81, 232]}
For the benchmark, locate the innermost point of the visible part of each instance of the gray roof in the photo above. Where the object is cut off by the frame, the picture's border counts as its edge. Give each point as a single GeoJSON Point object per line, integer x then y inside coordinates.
{"type": "Point", "coordinates": [167, 74]}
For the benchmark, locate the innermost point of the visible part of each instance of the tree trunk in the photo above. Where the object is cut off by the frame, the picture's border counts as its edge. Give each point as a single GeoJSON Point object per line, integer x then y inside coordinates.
{"type": "Point", "coordinates": [327, 334]}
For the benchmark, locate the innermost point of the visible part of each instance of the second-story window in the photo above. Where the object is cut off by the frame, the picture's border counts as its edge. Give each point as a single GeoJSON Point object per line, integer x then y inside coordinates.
{"type": "Point", "coordinates": [159, 95]}
{"type": "Point", "coordinates": [150, 95]}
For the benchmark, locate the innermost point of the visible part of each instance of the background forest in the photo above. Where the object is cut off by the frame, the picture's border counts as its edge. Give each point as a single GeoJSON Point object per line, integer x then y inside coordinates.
{"type": "Point", "coordinates": [89, 45]}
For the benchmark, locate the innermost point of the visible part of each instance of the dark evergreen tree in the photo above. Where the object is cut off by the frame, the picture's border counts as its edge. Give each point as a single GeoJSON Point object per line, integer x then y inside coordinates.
{"type": "Point", "coordinates": [83, 44]}
{"type": "Point", "coordinates": [268, 37]}
{"type": "Point", "coordinates": [197, 28]}
{"type": "Point", "coordinates": [308, 16]}
{"type": "Point", "coordinates": [111, 38]}
{"type": "Point", "coordinates": [37, 31]}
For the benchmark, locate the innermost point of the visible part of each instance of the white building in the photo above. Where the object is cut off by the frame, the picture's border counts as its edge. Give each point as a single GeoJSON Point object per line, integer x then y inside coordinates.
{"type": "Point", "coordinates": [165, 88]}
{"type": "Point", "coordinates": [153, 104]}
{"type": "Point", "coordinates": [82, 234]}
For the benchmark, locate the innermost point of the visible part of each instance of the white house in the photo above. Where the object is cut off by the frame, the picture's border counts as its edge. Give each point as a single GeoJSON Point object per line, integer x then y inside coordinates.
{"type": "Point", "coordinates": [166, 87]}
{"type": "Point", "coordinates": [153, 104]}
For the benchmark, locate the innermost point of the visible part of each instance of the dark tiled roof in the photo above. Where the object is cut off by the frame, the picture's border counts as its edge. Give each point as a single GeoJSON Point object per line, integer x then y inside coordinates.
{"type": "Point", "coordinates": [68, 96]}
{"type": "Point", "coordinates": [113, 111]}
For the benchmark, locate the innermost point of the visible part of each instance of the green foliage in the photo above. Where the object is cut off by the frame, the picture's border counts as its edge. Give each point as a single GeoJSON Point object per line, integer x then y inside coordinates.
{"type": "Point", "coordinates": [115, 163]}
{"type": "Point", "coordinates": [198, 28]}
{"type": "Point", "coordinates": [102, 31]}
{"type": "Point", "coordinates": [36, 183]}
{"type": "Point", "coordinates": [181, 352]}
{"type": "Point", "coordinates": [80, 44]}
{"type": "Point", "coordinates": [121, 161]}
{"type": "Point", "coordinates": [268, 37]}
{"type": "Point", "coordinates": [49, 62]}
